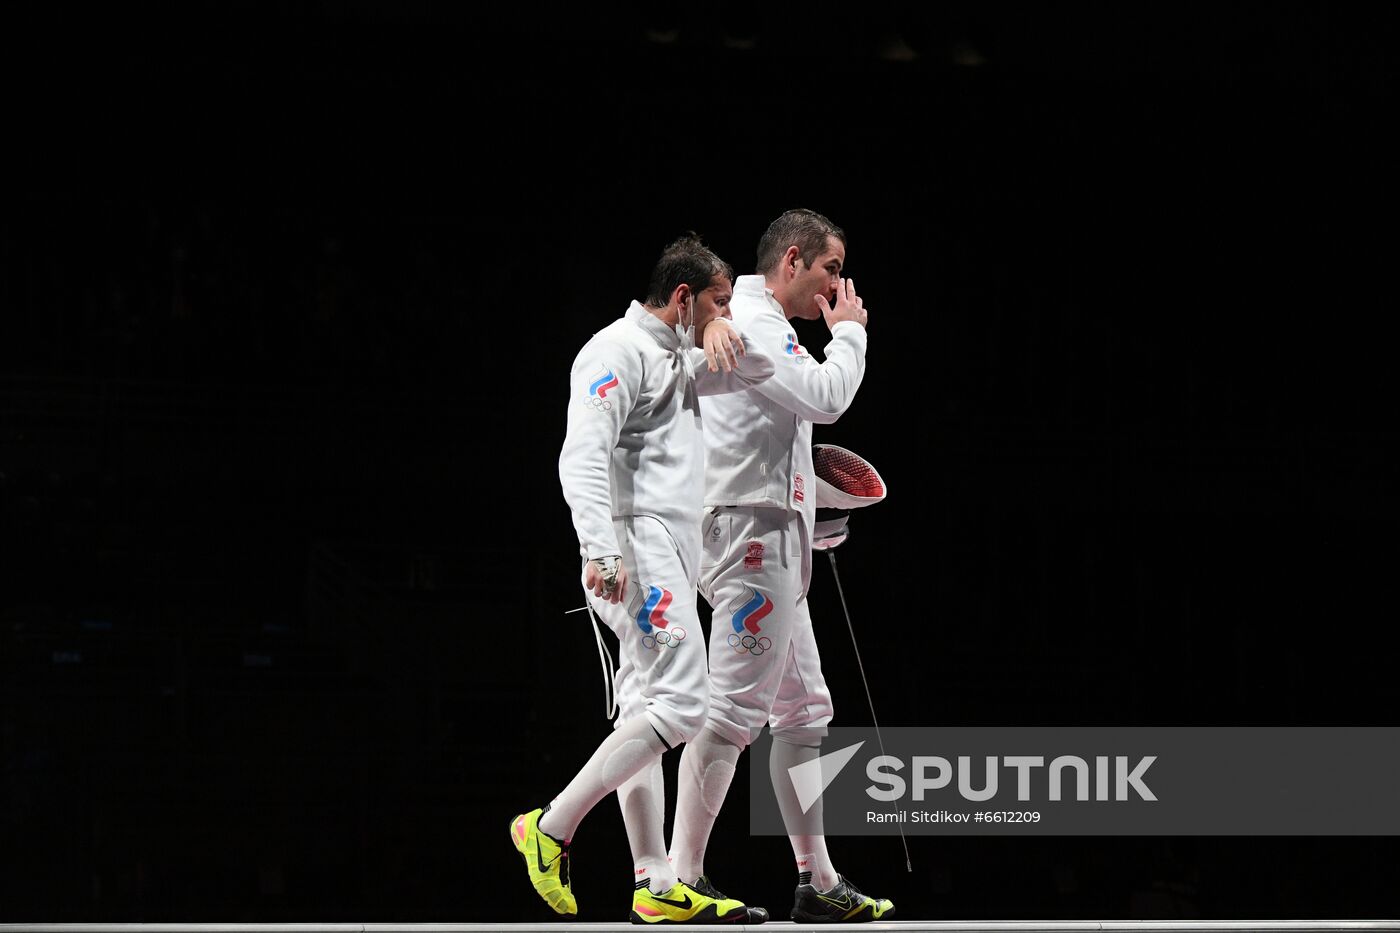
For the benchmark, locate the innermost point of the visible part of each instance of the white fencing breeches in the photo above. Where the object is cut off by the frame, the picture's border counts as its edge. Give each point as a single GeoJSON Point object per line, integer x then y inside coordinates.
{"type": "Point", "coordinates": [764, 665]}
{"type": "Point", "coordinates": [662, 672]}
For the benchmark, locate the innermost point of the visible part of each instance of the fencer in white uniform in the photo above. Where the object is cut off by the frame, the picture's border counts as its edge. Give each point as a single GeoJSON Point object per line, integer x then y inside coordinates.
{"type": "Point", "coordinates": [760, 509]}
{"type": "Point", "coordinates": [632, 468]}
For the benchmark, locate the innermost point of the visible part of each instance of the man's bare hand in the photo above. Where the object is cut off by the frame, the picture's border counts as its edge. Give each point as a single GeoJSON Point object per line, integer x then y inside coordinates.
{"type": "Point", "coordinates": [606, 577]}
{"type": "Point", "coordinates": [722, 345]}
{"type": "Point", "coordinates": [849, 307]}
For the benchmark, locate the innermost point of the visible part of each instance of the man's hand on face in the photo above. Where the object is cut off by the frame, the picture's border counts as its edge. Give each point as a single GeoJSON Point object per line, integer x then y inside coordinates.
{"type": "Point", "coordinates": [722, 345]}
{"type": "Point", "coordinates": [849, 307]}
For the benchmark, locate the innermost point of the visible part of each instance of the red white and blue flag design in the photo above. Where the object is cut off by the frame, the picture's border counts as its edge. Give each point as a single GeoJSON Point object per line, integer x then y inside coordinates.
{"type": "Point", "coordinates": [752, 612]}
{"type": "Point", "coordinates": [653, 611]}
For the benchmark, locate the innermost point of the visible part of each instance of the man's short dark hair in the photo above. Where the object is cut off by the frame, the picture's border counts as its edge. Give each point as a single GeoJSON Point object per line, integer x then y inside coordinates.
{"type": "Point", "coordinates": [807, 230]}
{"type": "Point", "coordinates": [687, 261]}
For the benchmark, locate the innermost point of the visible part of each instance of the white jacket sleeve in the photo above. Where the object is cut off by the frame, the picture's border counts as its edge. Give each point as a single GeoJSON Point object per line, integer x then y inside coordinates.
{"type": "Point", "coordinates": [818, 392]}
{"type": "Point", "coordinates": [755, 366]}
{"type": "Point", "coordinates": [603, 386]}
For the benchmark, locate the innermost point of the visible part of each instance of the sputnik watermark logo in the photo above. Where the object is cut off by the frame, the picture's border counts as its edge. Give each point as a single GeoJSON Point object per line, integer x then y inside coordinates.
{"type": "Point", "coordinates": [1162, 781]}
{"type": "Point", "coordinates": [889, 785]}
{"type": "Point", "coordinates": [811, 778]}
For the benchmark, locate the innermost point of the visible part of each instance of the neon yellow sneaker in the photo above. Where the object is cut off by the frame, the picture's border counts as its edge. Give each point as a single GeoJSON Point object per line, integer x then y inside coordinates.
{"type": "Point", "coordinates": [546, 859]}
{"type": "Point", "coordinates": [684, 904]}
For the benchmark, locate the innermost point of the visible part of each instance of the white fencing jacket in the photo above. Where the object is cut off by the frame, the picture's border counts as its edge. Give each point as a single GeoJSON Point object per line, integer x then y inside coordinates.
{"type": "Point", "coordinates": [758, 443]}
{"type": "Point", "coordinates": [633, 444]}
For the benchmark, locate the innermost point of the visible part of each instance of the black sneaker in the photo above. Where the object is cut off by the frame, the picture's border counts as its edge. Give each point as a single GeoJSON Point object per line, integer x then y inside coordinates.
{"type": "Point", "coordinates": [842, 904]}
{"type": "Point", "coordinates": [707, 888]}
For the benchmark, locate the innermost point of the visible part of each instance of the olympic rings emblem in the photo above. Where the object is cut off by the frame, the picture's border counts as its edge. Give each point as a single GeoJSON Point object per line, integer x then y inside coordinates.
{"type": "Point", "coordinates": [664, 639]}
{"type": "Point", "coordinates": [754, 646]}
{"type": "Point", "coordinates": [597, 404]}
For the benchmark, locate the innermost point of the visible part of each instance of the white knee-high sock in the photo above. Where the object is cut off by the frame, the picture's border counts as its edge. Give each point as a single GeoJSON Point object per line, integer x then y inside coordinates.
{"type": "Point", "coordinates": [643, 801]}
{"type": "Point", "coordinates": [632, 746]}
{"type": "Point", "coordinates": [804, 829]}
{"type": "Point", "coordinates": [707, 768]}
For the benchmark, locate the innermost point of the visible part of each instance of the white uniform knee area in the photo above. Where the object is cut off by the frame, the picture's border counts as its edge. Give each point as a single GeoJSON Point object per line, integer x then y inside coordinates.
{"type": "Point", "coordinates": [687, 724]}
{"type": "Point", "coordinates": [624, 760]}
{"type": "Point", "coordinates": [714, 785]}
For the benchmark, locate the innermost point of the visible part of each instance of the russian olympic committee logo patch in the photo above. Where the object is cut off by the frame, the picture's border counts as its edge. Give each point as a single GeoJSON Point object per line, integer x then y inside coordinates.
{"type": "Point", "coordinates": [651, 619]}
{"type": "Point", "coordinates": [602, 383]}
{"type": "Point", "coordinates": [791, 347]}
{"type": "Point", "coordinates": [745, 637]}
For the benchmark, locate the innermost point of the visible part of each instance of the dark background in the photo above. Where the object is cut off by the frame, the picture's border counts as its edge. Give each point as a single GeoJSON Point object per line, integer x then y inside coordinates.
{"type": "Point", "coordinates": [287, 302]}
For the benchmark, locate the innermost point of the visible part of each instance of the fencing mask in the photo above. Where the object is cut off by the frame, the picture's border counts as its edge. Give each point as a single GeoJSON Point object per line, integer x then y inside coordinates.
{"type": "Point", "coordinates": [845, 481]}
